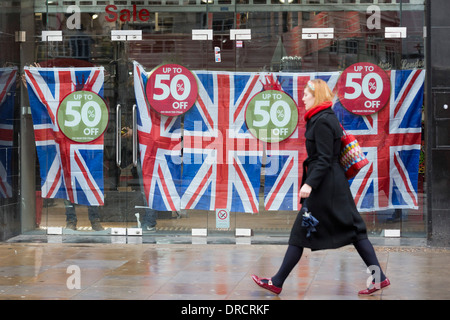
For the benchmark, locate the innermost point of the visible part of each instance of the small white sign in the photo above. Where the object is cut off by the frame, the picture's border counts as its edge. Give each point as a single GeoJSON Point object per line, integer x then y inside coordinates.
{"type": "Point", "coordinates": [240, 34]}
{"type": "Point", "coordinates": [202, 34]}
{"type": "Point", "coordinates": [118, 231]}
{"type": "Point", "coordinates": [199, 232]}
{"type": "Point", "coordinates": [392, 233]}
{"type": "Point", "coordinates": [54, 230]}
{"type": "Point", "coordinates": [52, 35]}
{"type": "Point", "coordinates": [217, 56]}
{"type": "Point", "coordinates": [222, 219]}
{"type": "Point", "coordinates": [317, 33]}
{"type": "Point", "coordinates": [134, 231]}
{"type": "Point", "coordinates": [243, 232]}
{"type": "Point", "coordinates": [395, 32]}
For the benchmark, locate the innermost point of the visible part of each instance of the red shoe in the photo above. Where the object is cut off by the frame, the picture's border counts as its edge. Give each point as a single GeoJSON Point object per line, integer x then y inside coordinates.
{"type": "Point", "coordinates": [375, 287]}
{"type": "Point", "coordinates": [266, 284]}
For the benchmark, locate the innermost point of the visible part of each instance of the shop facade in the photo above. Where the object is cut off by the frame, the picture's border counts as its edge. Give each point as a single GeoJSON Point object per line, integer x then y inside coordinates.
{"type": "Point", "coordinates": [103, 161]}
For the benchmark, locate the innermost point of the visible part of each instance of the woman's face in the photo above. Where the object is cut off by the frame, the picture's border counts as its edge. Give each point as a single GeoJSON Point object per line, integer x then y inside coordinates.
{"type": "Point", "coordinates": [308, 99]}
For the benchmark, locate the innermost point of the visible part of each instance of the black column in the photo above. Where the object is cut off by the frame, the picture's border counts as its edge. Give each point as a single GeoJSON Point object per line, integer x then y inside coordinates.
{"type": "Point", "coordinates": [438, 122]}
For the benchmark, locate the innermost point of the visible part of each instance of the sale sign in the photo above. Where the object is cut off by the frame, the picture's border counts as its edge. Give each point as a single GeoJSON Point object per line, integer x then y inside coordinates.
{"type": "Point", "coordinates": [364, 88]}
{"type": "Point", "coordinates": [271, 116]}
{"type": "Point", "coordinates": [171, 89]}
{"type": "Point", "coordinates": [82, 116]}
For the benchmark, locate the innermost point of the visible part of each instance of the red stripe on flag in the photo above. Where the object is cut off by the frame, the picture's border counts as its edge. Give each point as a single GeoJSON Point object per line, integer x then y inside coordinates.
{"type": "Point", "coordinates": [405, 180]}
{"type": "Point", "coordinates": [4, 92]}
{"type": "Point", "coordinates": [280, 183]}
{"type": "Point", "coordinates": [365, 180]}
{"type": "Point", "coordinates": [91, 81]}
{"type": "Point", "coordinates": [4, 188]}
{"type": "Point", "coordinates": [246, 186]}
{"type": "Point", "coordinates": [222, 179]}
{"type": "Point", "coordinates": [202, 105]}
{"type": "Point", "coordinates": [245, 98]}
{"type": "Point", "coordinates": [166, 190]}
{"type": "Point", "coordinates": [40, 94]}
{"type": "Point", "coordinates": [55, 183]}
{"type": "Point", "coordinates": [199, 189]}
{"type": "Point", "coordinates": [406, 92]}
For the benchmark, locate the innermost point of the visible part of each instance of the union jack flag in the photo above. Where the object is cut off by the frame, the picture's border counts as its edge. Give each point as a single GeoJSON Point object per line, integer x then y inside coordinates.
{"type": "Point", "coordinates": [160, 150]}
{"type": "Point", "coordinates": [391, 140]}
{"type": "Point", "coordinates": [221, 166]}
{"type": "Point", "coordinates": [222, 160]}
{"type": "Point", "coordinates": [283, 172]}
{"type": "Point", "coordinates": [69, 170]}
{"type": "Point", "coordinates": [7, 91]}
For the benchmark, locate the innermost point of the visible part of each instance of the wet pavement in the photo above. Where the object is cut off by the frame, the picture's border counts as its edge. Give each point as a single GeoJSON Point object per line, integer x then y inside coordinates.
{"type": "Point", "coordinates": [211, 271]}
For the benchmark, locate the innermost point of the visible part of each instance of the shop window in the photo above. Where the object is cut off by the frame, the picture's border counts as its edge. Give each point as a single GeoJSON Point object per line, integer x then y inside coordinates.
{"type": "Point", "coordinates": [351, 46]}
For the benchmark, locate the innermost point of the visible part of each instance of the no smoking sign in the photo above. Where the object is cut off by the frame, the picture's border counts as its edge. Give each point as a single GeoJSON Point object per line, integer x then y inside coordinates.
{"type": "Point", "coordinates": [364, 88]}
{"type": "Point", "coordinates": [222, 219]}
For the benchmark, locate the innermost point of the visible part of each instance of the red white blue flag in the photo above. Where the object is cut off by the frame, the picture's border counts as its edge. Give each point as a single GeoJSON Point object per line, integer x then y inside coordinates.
{"type": "Point", "coordinates": [391, 139]}
{"type": "Point", "coordinates": [283, 172]}
{"type": "Point", "coordinates": [222, 160]}
{"type": "Point", "coordinates": [69, 170]}
{"type": "Point", "coordinates": [223, 164]}
{"type": "Point", "coordinates": [159, 148]}
{"type": "Point", "coordinates": [8, 78]}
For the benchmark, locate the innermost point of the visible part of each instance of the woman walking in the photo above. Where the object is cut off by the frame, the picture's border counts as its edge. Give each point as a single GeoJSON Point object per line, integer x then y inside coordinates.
{"type": "Point", "coordinates": [329, 197]}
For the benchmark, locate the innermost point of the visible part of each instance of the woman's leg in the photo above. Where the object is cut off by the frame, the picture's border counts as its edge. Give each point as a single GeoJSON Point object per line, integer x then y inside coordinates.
{"type": "Point", "coordinates": [367, 253]}
{"type": "Point", "coordinates": [291, 258]}
{"type": "Point", "coordinates": [274, 284]}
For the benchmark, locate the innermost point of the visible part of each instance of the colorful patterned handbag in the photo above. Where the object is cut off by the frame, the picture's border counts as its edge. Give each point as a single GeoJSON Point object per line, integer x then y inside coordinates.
{"type": "Point", "coordinates": [352, 158]}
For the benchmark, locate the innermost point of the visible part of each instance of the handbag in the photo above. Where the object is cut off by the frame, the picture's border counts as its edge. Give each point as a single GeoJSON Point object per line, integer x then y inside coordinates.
{"type": "Point", "coordinates": [351, 158]}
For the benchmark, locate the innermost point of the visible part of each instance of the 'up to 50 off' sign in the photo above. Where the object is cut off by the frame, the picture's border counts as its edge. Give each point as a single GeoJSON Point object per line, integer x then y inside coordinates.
{"type": "Point", "coordinates": [82, 116]}
{"type": "Point", "coordinates": [271, 116]}
{"type": "Point", "coordinates": [171, 89]}
{"type": "Point", "coordinates": [364, 88]}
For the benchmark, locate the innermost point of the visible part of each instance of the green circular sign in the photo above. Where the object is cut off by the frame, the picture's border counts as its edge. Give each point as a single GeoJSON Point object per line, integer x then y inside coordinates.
{"type": "Point", "coordinates": [82, 116]}
{"type": "Point", "coordinates": [271, 116]}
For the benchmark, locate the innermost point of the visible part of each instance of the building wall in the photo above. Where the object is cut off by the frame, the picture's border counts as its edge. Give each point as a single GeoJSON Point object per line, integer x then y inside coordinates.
{"type": "Point", "coordinates": [438, 137]}
{"type": "Point", "coordinates": [437, 129]}
{"type": "Point", "coordinates": [9, 126]}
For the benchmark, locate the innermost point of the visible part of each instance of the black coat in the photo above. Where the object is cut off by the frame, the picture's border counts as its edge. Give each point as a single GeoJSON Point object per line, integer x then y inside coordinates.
{"type": "Point", "coordinates": [331, 201]}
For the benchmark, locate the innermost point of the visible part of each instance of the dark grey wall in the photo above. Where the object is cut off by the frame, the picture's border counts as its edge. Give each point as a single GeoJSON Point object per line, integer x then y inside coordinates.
{"type": "Point", "coordinates": [438, 122]}
{"type": "Point", "coordinates": [10, 206]}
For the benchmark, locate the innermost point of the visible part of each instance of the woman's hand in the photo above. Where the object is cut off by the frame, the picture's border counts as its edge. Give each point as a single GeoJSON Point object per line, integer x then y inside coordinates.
{"type": "Point", "coordinates": [305, 191]}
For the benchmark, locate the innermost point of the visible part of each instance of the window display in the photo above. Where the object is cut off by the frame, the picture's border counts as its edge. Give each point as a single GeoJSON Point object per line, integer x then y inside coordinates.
{"type": "Point", "coordinates": [199, 111]}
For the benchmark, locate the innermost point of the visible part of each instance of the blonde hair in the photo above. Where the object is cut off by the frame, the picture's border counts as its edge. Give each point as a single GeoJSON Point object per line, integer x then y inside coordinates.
{"type": "Point", "coordinates": [320, 90]}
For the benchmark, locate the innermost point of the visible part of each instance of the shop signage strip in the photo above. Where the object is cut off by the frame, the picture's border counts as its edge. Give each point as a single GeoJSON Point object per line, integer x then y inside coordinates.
{"type": "Point", "coordinates": [198, 6]}
{"type": "Point", "coordinates": [129, 35]}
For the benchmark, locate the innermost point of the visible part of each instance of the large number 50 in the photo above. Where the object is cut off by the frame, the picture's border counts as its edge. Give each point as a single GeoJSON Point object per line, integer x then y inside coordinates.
{"type": "Point", "coordinates": [266, 116]}
{"type": "Point", "coordinates": [84, 116]}
{"type": "Point", "coordinates": [166, 90]}
{"type": "Point", "coordinates": [364, 88]}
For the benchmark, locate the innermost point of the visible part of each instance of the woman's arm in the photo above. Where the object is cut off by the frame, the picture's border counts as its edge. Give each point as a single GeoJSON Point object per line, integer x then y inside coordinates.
{"type": "Point", "coordinates": [324, 140]}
